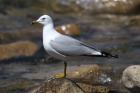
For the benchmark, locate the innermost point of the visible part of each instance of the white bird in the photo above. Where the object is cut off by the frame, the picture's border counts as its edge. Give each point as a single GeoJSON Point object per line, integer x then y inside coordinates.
{"type": "Point", "coordinates": [64, 47]}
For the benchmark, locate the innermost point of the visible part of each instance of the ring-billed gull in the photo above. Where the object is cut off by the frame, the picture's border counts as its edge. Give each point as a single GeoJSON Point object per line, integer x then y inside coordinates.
{"type": "Point", "coordinates": [64, 47]}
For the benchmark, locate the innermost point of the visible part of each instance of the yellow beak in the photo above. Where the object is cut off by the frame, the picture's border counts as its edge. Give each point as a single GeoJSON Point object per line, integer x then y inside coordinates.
{"type": "Point", "coordinates": [34, 22]}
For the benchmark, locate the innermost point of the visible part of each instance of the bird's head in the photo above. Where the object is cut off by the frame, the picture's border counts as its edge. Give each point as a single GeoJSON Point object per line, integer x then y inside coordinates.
{"type": "Point", "coordinates": [44, 20]}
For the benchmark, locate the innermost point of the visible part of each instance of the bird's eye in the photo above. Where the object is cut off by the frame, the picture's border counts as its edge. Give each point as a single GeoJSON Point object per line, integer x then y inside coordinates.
{"type": "Point", "coordinates": [43, 18]}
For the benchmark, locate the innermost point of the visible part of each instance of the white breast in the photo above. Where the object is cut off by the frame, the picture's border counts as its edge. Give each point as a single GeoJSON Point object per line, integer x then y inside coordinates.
{"type": "Point", "coordinates": [48, 36]}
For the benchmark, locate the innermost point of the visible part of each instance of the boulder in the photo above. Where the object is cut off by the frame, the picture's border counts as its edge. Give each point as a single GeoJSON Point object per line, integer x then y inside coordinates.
{"type": "Point", "coordinates": [131, 76]}
{"type": "Point", "coordinates": [84, 79]}
{"type": "Point", "coordinates": [17, 49]}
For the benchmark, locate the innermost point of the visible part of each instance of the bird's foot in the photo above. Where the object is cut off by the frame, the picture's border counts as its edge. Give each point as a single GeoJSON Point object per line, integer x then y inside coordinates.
{"type": "Point", "coordinates": [59, 75]}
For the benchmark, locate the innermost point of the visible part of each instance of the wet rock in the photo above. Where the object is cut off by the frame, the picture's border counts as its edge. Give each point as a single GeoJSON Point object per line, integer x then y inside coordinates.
{"type": "Point", "coordinates": [22, 34]}
{"type": "Point", "coordinates": [17, 49]}
{"type": "Point", "coordinates": [133, 21]}
{"type": "Point", "coordinates": [34, 89]}
{"type": "Point", "coordinates": [68, 86]}
{"type": "Point", "coordinates": [131, 76]}
{"type": "Point", "coordinates": [79, 6]}
{"type": "Point", "coordinates": [58, 86]}
{"type": "Point", "coordinates": [96, 6]}
{"type": "Point", "coordinates": [69, 29]}
{"type": "Point", "coordinates": [86, 79]}
{"type": "Point", "coordinates": [110, 6]}
{"type": "Point", "coordinates": [62, 6]}
{"type": "Point", "coordinates": [87, 73]}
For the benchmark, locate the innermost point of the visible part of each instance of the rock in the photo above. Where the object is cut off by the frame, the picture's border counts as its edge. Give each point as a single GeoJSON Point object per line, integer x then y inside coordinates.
{"type": "Point", "coordinates": [67, 86]}
{"type": "Point", "coordinates": [131, 76]}
{"type": "Point", "coordinates": [78, 6]}
{"type": "Point", "coordinates": [133, 21]}
{"type": "Point", "coordinates": [62, 6]}
{"type": "Point", "coordinates": [86, 72]}
{"type": "Point", "coordinates": [87, 77]}
{"type": "Point", "coordinates": [23, 34]}
{"type": "Point", "coordinates": [58, 86]}
{"type": "Point", "coordinates": [17, 49]}
{"type": "Point", "coordinates": [110, 6]}
{"type": "Point", "coordinates": [69, 29]}
{"type": "Point", "coordinates": [34, 89]}
{"type": "Point", "coordinates": [96, 6]}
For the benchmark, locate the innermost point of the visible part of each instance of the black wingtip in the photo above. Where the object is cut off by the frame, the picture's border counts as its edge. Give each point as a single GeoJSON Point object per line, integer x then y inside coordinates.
{"type": "Point", "coordinates": [105, 54]}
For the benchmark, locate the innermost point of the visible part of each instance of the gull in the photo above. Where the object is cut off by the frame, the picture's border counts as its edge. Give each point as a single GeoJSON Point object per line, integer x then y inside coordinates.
{"type": "Point", "coordinates": [65, 47]}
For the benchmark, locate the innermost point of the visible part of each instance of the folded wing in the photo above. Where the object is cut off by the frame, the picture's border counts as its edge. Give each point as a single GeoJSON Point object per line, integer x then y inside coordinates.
{"type": "Point", "coordinates": [72, 47]}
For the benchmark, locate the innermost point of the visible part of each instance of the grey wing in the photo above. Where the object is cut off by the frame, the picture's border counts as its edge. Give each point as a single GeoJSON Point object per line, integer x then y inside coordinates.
{"type": "Point", "coordinates": [71, 47]}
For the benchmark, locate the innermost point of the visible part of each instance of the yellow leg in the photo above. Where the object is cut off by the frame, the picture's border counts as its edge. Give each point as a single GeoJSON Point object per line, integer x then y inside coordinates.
{"type": "Point", "coordinates": [62, 75]}
{"type": "Point", "coordinates": [65, 69]}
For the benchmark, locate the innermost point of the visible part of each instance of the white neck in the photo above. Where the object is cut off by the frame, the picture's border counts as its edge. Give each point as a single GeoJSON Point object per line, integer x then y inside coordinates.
{"type": "Point", "coordinates": [49, 26]}
{"type": "Point", "coordinates": [49, 33]}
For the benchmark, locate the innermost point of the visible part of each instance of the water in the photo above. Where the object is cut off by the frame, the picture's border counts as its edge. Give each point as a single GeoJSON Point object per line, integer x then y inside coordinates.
{"type": "Point", "coordinates": [101, 32]}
